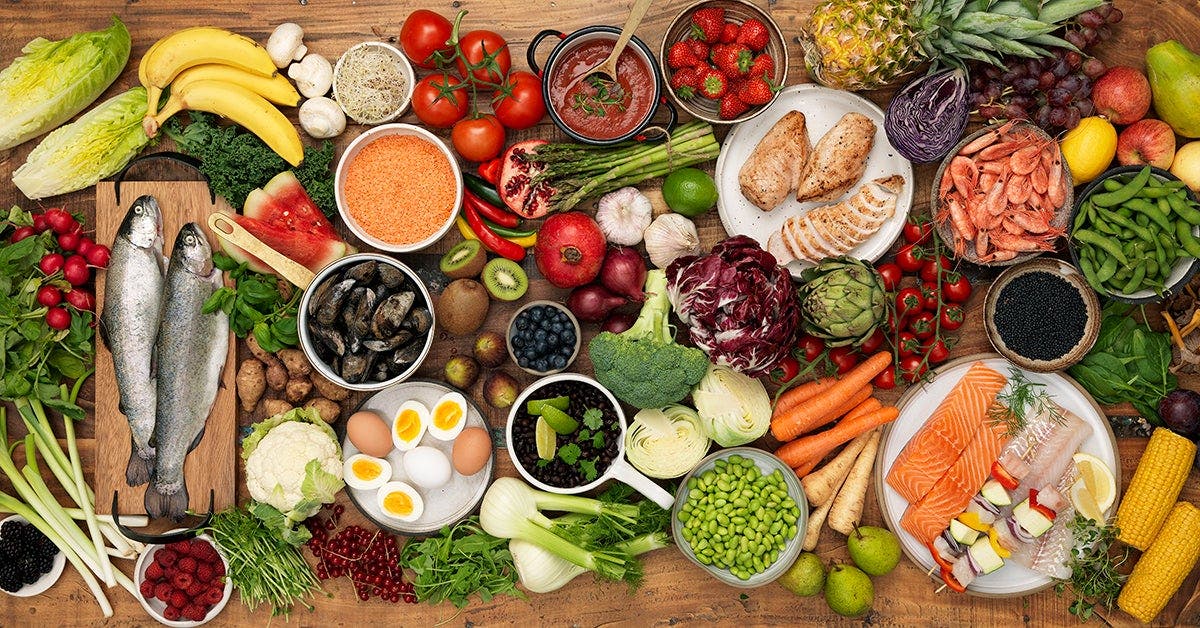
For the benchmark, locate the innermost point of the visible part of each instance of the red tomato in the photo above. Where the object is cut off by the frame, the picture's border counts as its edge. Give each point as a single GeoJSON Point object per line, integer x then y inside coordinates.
{"type": "Point", "coordinates": [912, 367]}
{"type": "Point", "coordinates": [487, 54]}
{"type": "Point", "coordinates": [917, 233]}
{"type": "Point", "coordinates": [811, 346]}
{"type": "Point", "coordinates": [844, 358]}
{"type": "Point", "coordinates": [929, 268]}
{"type": "Point", "coordinates": [907, 344]}
{"type": "Point", "coordinates": [891, 276]}
{"type": "Point", "coordinates": [956, 288]}
{"type": "Point", "coordinates": [922, 325]}
{"type": "Point", "coordinates": [937, 352]}
{"type": "Point", "coordinates": [910, 258]}
{"type": "Point", "coordinates": [440, 100]}
{"type": "Point", "coordinates": [785, 370]}
{"type": "Point", "coordinates": [929, 296]}
{"type": "Point", "coordinates": [886, 379]}
{"type": "Point", "coordinates": [518, 103]}
{"type": "Point", "coordinates": [909, 301]}
{"type": "Point", "coordinates": [872, 343]}
{"type": "Point", "coordinates": [951, 317]}
{"type": "Point", "coordinates": [424, 33]}
{"type": "Point", "coordinates": [478, 139]}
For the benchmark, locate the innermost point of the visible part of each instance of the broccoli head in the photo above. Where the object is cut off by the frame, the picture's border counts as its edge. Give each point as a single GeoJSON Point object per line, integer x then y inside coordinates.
{"type": "Point", "coordinates": [644, 366]}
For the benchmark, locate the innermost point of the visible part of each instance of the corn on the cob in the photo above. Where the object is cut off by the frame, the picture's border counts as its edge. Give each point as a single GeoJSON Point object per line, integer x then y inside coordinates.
{"type": "Point", "coordinates": [1155, 487]}
{"type": "Point", "coordinates": [1162, 569]}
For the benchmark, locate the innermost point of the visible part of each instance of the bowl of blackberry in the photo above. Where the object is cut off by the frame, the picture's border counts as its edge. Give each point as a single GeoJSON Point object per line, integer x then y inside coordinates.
{"type": "Point", "coordinates": [30, 563]}
{"type": "Point", "coordinates": [543, 337]}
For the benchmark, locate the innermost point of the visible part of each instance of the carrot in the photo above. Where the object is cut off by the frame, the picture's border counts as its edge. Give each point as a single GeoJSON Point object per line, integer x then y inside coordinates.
{"type": "Point", "coordinates": [803, 392]}
{"type": "Point", "coordinates": [848, 505]}
{"type": "Point", "coordinates": [870, 405]}
{"type": "Point", "coordinates": [784, 428]}
{"type": "Point", "coordinates": [816, 446]}
{"type": "Point", "coordinates": [820, 486]}
{"type": "Point", "coordinates": [826, 402]}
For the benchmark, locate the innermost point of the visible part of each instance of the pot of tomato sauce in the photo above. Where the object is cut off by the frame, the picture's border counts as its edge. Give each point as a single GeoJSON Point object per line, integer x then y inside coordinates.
{"type": "Point", "coordinates": [597, 110]}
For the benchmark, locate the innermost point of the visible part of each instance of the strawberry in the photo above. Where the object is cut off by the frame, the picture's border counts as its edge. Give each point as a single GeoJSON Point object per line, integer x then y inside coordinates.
{"type": "Point", "coordinates": [698, 48]}
{"type": "Point", "coordinates": [685, 81]}
{"type": "Point", "coordinates": [172, 613]}
{"type": "Point", "coordinates": [729, 33]}
{"type": "Point", "coordinates": [205, 572]}
{"type": "Point", "coordinates": [182, 581]}
{"type": "Point", "coordinates": [680, 56]}
{"type": "Point", "coordinates": [187, 564]}
{"type": "Point", "coordinates": [755, 91]}
{"type": "Point", "coordinates": [707, 24]}
{"type": "Point", "coordinates": [214, 595]}
{"type": "Point", "coordinates": [154, 571]}
{"type": "Point", "coordinates": [713, 84]}
{"type": "Point", "coordinates": [733, 60]}
{"type": "Point", "coordinates": [754, 34]}
{"type": "Point", "coordinates": [194, 612]}
{"type": "Point", "coordinates": [178, 599]}
{"type": "Point", "coordinates": [763, 66]}
{"type": "Point", "coordinates": [732, 106]}
{"type": "Point", "coordinates": [166, 557]}
{"type": "Point", "coordinates": [146, 589]}
{"type": "Point", "coordinates": [163, 591]}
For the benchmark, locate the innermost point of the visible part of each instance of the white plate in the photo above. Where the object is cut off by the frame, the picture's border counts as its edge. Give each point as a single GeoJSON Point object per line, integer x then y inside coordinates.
{"type": "Point", "coordinates": [48, 579]}
{"type": "Point", "coordinates": [822, 108]}
{"type": "Point", "coordinates": [915, 407]}
{"type": "Point", "coordinates": [444, 505]}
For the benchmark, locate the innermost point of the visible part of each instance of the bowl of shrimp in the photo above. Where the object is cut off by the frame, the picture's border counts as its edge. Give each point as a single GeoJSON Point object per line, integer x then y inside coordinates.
{"type": "Point", "coordinates": [1003, 195]}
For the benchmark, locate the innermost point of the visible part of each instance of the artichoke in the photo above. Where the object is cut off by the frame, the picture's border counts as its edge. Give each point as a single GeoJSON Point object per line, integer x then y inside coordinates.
{"type": "Point", "coordinates": [842, 301]}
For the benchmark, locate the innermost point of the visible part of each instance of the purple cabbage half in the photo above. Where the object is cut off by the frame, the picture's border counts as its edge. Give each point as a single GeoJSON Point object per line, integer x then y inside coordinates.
{"type": "Point", "coordinates": [926, 118]}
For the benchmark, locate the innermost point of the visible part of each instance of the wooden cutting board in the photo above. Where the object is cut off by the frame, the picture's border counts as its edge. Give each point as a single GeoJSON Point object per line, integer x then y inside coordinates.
{"type": "Point", "coordinates": [212, 465]}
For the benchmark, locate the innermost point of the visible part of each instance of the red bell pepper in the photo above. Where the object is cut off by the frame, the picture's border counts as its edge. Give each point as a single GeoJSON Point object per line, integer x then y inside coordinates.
{"type": "Point", "coordinates": [1003, 476]}
{"type": "Point", "coordinates": [1046, 511]}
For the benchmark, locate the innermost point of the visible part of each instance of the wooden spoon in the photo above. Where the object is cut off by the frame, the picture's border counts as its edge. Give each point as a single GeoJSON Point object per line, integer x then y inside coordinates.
{"type": "Point", "coordinates": [234, 233]}
{"type": "Point", "coordinates": [608, 67]}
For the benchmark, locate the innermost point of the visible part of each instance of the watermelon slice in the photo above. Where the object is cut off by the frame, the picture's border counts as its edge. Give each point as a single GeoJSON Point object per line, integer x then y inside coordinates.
{"type": "Point", "coordinates": [283, 216]}
{"type": "Point", "coordinates": [312, 251]}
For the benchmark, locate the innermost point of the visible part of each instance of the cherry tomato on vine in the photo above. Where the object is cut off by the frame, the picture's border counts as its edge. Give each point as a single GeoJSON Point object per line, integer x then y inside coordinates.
{"type": "Point", "coordinates": [937, 352]}
{"type": "Point", "coordinates": [951, 317]}
{"type": "Point", "coordinates": [424, 33]}
{"type": "Point", "coordinates": [886, 379]}
{"type": "Point", "coordinates": [929, 268]}
{"type": "Point", "coordinates": [922, 325]}
{"type": "Point", "coordinates": [891, 276]}
{"type": "Point", "coordinates": [811, 346]}
{"type": "Point", "coordinates": [917, 233]}
{"type": "Point", "coordinates": [872, 343]}
{"type": "Point", "coordinates": [929, 296]}
{"type": "Point", "coordinates": [956, 288]}
{"type": "Point", "coordinates": [478, 139]}
{"type": "Point", "coordinates": [488, 56]}
{"type": "Point", "coordinates": [440, 100]}
{"type": "Point", "coordinates": [844, 358]}
{"type": "Point", "coordinates": [518, 101]}
{"type": "Point", "coordinates": [912, 367]}
{"type": "Point", "coordinates": [909, 301]}
{"type": "Point", "coordinates": [907, 344]}
{"type": "Point", "coordinates": [785, 370]}
{"type": "Point", "coordinates": [910, 258]}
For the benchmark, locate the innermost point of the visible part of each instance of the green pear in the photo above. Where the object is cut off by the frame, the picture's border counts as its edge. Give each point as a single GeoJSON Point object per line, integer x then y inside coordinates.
{"type": "Point", "coordinates": [806, 576]}
{"type": "Point", "coordinates": [848, 591]}
{"type": "Point", "coordinates": [875, 550]}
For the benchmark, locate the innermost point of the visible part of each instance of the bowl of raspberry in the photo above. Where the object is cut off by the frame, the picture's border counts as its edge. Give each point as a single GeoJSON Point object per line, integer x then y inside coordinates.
{"type": "Point", "coordinates": [183, 584]}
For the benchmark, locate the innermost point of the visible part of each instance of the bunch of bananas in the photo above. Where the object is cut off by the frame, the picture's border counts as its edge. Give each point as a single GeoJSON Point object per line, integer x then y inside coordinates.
{"type": "Point", "coordinates": [217, 71]}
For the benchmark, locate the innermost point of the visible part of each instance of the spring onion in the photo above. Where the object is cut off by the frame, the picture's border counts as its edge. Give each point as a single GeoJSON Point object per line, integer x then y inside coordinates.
{"type": "Point", "coordinates": [735, 408]}
{"type": "Point", "coordinates": [666, 442]}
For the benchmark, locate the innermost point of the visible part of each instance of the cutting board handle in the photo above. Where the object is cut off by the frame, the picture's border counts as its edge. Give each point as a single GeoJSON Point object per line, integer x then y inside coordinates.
{"type": "Point", "coordinates": [233, 233]}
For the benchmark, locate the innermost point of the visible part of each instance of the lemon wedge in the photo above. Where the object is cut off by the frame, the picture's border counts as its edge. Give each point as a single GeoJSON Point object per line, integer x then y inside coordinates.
{"type": "Point", "coordinates": [1095, 490]}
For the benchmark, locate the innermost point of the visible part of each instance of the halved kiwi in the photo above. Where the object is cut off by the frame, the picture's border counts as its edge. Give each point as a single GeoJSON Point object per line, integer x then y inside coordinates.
{"type": "Point", "coordinates": [504, 279]}
{"type": "Point", "coordinates": [464, 261]}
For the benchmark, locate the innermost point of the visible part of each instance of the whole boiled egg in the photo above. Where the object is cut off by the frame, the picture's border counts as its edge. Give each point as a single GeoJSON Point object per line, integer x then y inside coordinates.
{"type": "Point", "coordinates": [427, 467]}
{"type": "Point", "coordinates": [448, 417]}
{"type": "Point", "coordinates": [366, 472]}
{"type": "Point", "coordinates": [400, 501]}
{"type": "Point", "coordinates": [409, 425]}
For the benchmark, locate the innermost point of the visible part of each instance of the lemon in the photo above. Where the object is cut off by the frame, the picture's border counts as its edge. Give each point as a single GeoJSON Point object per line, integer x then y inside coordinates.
{"type": "Point", "coordinates": [558, 420]}
{"type": "Point", "coordinates": [546, 439]}
{"type": "Point", "coordinates": [1089, 148]}
{"type": "Point", "coordinates": [689, 191]}
{"type": "Point", "coordinates": [1095, 490]}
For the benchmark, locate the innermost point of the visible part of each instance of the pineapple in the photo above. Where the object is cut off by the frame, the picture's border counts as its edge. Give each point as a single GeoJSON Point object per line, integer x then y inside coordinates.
{"type": "Point", "coordinates": [867, 44]}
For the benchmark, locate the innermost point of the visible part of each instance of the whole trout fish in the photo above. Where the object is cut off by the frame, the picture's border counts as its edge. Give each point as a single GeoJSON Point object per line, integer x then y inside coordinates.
{"type": "Point", "coordinates": [129, 325]}
{"type": "Point", "coordinates": [191, 350]}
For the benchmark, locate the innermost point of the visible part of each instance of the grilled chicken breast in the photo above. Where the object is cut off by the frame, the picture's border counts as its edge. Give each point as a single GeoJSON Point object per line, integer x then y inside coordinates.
{"type": "Point", "coordinates": [777, 163]}
{"type": "Point", "coordinates": [832, 230]}
{"type": "Point", "coordinates": [838, 160]}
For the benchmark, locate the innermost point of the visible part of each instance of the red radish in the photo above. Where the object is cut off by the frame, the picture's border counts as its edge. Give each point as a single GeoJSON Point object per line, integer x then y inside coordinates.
{"type": "Point", "coordinates": [570, 249]}
{"type": "Point", "coordinates": [59, 220]}
{"type": "Point", "coordinates": [593, 302]}
{"type": "Point", "coordinates": [69, 241]}
{"type": "Point", "coordinates": [51, 263]}
{"type": "Point", "coordinates": [85, 245]}
{"type": "Point", "coordinates": [98, 255]}
{"type": "Point", "coordinates": [49, 296]}
{"type": "Point", "coordinates": [21, 233]}
{"type": "Point", "coordinates": [81, 299]}
{"type": "Point", "coordinates": [624, 272]}
{"type": "Point", "coordinates": [75, 270]}
{"type": "Point", "coordinates": [39, 223]}
{"type": "Point", "coordinates": [618, 322]}
{"type": "Point", "coordinates": [58, 318]}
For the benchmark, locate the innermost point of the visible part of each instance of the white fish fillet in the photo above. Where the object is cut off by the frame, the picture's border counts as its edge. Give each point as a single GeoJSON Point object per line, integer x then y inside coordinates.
{"type": "Point", "coordinates": [833, 230]}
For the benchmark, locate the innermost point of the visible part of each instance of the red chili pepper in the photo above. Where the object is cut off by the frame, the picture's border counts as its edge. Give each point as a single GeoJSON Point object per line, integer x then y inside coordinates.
{"type": "Point", "coordinates": [490, 170]}
{"type": "Point", "coordinates": [489, 238]}
{"type": "Point", "coordinates": [489, 211]}
{"type": "Point", "coordinates": [1003, 476]}
{"type": "Point", "coordinates": [951, 581]}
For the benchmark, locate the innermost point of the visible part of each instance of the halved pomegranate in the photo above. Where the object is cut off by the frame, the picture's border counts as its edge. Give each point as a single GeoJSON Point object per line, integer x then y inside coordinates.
{"type": "Point", "coordinates": [516, 186]}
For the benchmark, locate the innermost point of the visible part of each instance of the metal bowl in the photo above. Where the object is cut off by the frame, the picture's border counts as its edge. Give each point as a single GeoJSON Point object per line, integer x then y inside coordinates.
{"type": "Point", "coordinates": [574, 325]}
{"type": "Point", "coordinates": [736, 11]}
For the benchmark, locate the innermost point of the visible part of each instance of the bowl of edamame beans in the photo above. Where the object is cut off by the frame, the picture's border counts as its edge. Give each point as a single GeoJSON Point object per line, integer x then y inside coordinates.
{"type": "Point", "coordinates": [740, 514]}
{"type": "Point", "coordinates": [1135, 234]}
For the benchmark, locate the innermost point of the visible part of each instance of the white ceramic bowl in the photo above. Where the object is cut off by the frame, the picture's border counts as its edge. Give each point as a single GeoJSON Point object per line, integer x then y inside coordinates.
{"type": "Point", "coordinates": [406, 70]}
{"type": "Point", "coordinates": [48, 579]}
{"type": "Point", "coordinates": [155, 606]}
{"type": "Point", "coordinates": [352, 151]}
{"type": "Point", "coordinates": [574, 326]}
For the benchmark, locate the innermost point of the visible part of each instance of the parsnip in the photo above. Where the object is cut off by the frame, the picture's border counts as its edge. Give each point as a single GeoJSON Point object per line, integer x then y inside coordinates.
{"type": "Point", "coordinates": [848, 505]}
{"type": "Point", "coordinates": [821, 485]}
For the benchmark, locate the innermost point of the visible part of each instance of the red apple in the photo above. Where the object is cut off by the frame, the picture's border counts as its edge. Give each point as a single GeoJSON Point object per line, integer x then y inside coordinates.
{"type": "Point", "coordinates": [1122, 95]}
{"type": "Point", "coordinates": [1147, 141]}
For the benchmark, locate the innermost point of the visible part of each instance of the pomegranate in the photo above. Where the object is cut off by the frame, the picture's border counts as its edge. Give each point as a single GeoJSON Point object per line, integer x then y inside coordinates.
{"type": "Point", "coordinates": [570, 249]}
{"type": "Point", "coordinates": [516, 175]}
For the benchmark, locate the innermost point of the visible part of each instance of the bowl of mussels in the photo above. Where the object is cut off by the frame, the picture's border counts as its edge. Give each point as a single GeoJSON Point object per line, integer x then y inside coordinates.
{"type": "Point", "coordinates": [366, 322]}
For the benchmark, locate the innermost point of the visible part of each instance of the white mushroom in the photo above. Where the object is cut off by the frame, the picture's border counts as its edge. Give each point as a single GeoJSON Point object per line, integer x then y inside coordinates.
{"type": "Point", "coordinates": [321, 117]}
{"type": "Point", "coordinates": [286, 44]}
{"type": "Point", "coordinates": [313, 75]}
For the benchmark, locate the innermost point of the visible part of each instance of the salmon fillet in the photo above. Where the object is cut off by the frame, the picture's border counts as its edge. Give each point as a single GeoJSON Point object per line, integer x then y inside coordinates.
{"type": "Point", "coordinates": [838, 160]}
{"type": "Point", "coordinates": [776, 163]}
{"type": "Point", "coordinates": [939, 443]}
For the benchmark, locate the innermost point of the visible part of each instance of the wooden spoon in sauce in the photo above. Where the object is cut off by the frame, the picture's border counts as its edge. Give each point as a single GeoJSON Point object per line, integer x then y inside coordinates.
{"type": "Point", "coordinates": [608, 67]}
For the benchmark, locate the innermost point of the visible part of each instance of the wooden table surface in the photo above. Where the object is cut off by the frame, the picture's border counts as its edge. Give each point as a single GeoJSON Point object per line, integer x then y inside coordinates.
{"type": "Point", "coordinates": [674, 591]}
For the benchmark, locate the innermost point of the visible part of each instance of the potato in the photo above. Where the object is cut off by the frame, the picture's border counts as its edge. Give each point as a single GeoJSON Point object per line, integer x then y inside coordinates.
{"type": "Point", "coordinates": [272, 407]}
{"type": "Point", "coordinates": [251, 383]}
{"type": "Point", "coordinates": [266, 358]}
{"type": "Point", "coordinates": [295, 362]}
{"type": "Point", "coordinates": [297, 390]}
{"type": "Point", "coordinates": [328, 389]}
{"type": "Point", "coordinates": [328, 410]}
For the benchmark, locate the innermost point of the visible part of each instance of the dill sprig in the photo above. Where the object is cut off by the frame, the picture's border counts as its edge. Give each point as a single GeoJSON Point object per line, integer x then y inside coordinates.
{"type": "Point", "coordinates": [1018, 399]}
{"type": "Point", "coordinates": [1095, 579]}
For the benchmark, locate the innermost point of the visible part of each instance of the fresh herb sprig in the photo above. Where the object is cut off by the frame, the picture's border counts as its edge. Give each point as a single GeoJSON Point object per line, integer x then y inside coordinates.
{"type": "Point", "coordinates": [264, 568]}
{"type": "Point", "coordinates": [1095, 580]}
{"type": "Point", "coordinates": [606, 93]}
{"type": "Point", "coordinates": [459, 562]}
{"type": "Point", "coordinates": [256, 305]}
{"type": "Point", "coordinates": [1020, 398]}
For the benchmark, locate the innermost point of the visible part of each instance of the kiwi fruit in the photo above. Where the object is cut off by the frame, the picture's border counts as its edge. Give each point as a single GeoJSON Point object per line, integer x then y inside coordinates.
{"type": "Point", "coordinates": [462, 307]}
{"type": "Point", "coordinates": [464, 261]}
{"type": "Point", "coordinates": [504, 279]}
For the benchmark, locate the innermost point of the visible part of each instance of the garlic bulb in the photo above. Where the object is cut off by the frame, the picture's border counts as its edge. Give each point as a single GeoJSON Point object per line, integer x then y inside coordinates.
{"type": "Point", "coordinates": [623, 215]}
{"type": "Point", "coordinates": [671, 236]}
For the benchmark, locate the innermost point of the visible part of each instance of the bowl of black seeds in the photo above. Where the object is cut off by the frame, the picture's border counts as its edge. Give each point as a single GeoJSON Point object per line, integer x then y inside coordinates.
{"type": "Point", "coordinates": [1042, 315]}
{"type": "Point", "coordinates": [566, 434]}
{"type": "Point", "coordinates": [30, 562]}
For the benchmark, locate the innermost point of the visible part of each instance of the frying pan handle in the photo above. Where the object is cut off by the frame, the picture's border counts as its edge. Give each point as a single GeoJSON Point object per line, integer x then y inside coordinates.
{"type": "Point", "coordinates": [623, 471]}
{"type": "Point", "coordinates": [233, 233]}
{"type": "Point", "coordinates": [169, 156]}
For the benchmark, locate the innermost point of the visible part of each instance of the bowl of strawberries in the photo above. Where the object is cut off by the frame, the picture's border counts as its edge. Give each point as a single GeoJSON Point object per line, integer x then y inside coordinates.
{"type": "Point", "coordinates": [183, 584]}
{"type": "Point", "coordinates": [724, 60]}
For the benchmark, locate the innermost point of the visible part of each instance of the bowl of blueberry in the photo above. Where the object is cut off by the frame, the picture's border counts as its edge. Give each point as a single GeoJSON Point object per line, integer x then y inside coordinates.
{"type": "Point", "coordinates": [543, 337]}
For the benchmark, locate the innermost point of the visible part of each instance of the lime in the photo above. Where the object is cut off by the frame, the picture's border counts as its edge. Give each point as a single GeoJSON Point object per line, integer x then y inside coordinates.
{"type": "Point", "coordinates": [535, 406]}
{"type": "Point", "coordinates": [546, 439]}
{"type": "Point", "coordinates": [560, 421]}
{"type": "Point", "coordinates": [689, 191]}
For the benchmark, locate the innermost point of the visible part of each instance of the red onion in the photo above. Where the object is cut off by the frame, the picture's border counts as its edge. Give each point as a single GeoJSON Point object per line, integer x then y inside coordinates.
{"type": "Point", "coordinates": [624, 272]}
{"type": "Point", "coordinates": [618, 322]}
{"type": "Point", "coordinates": [593, 302]}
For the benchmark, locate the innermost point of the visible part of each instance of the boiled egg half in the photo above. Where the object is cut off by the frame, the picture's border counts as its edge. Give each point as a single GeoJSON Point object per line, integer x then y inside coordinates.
{"type": "Point", "coordinates": [400, 501]}
{"type": "Point", "coordinates": [409, 425]}
{"type": "Point", "coordinates": [366, 472]}
{"type": "Point", "coordinates": [449, 416]}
